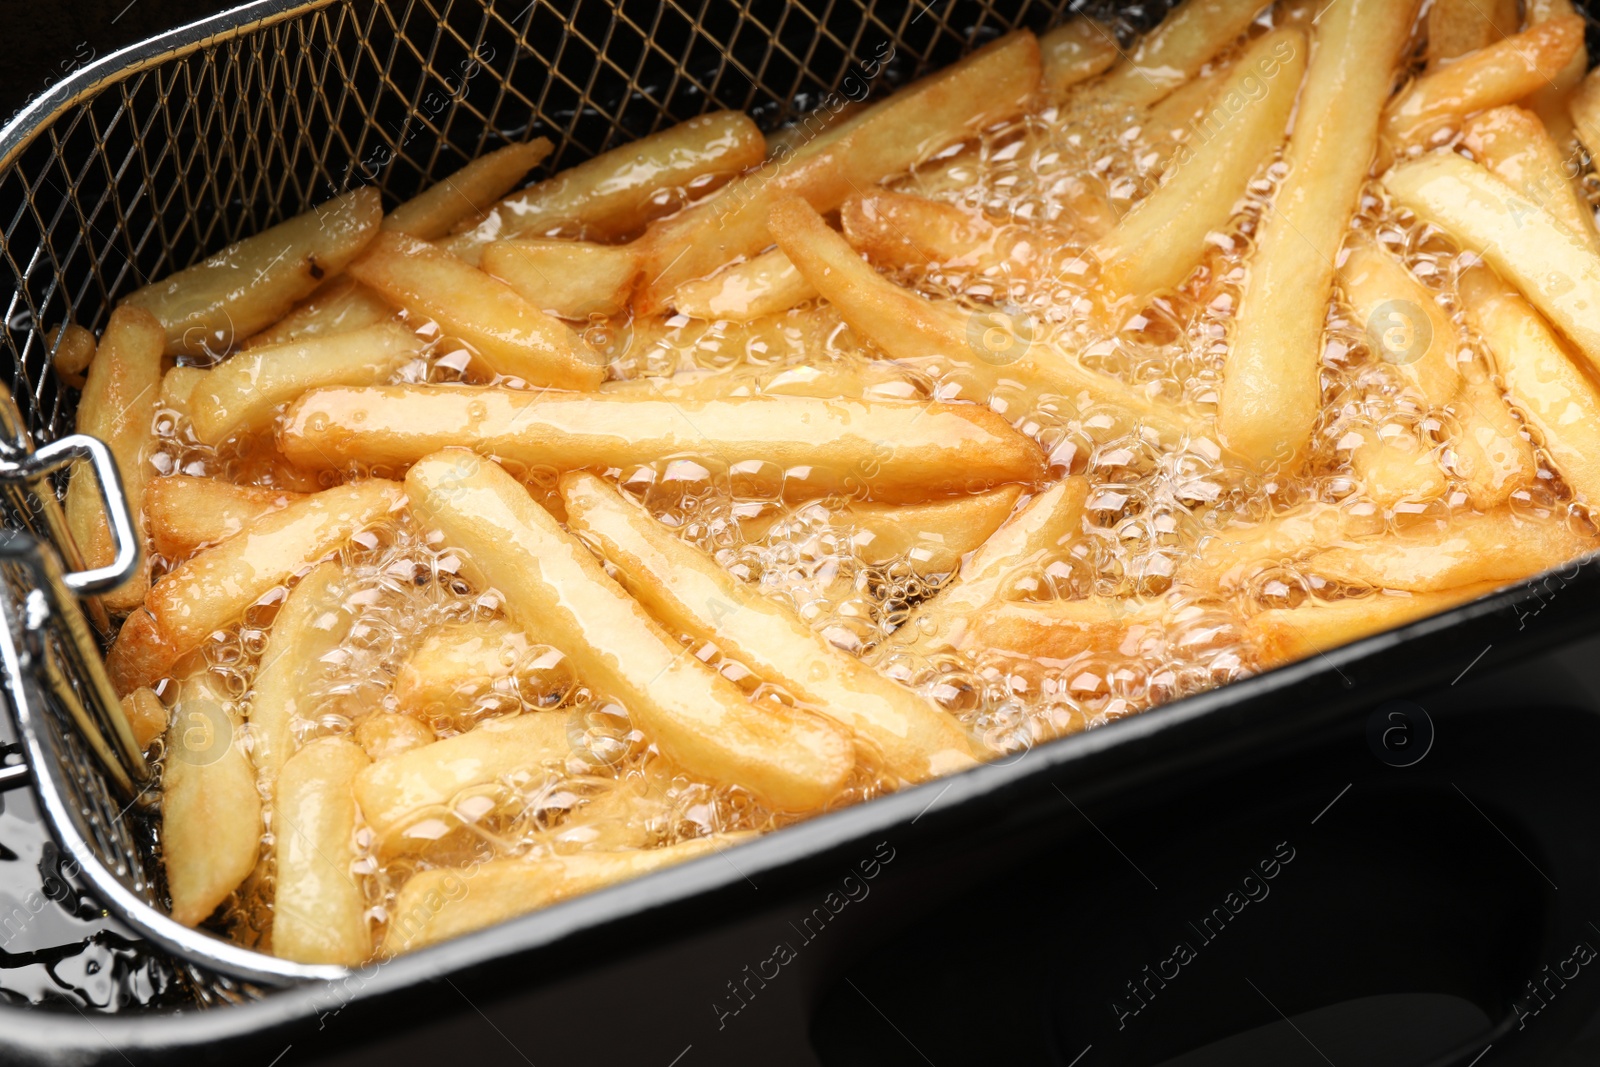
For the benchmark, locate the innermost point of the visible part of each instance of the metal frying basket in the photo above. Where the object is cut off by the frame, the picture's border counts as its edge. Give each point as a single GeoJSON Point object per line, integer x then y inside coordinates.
{"type": "Point", "coordinates": [142, 162]}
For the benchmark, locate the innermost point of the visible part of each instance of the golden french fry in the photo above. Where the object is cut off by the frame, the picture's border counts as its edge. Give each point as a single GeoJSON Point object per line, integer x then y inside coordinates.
{"type": "Point", "coordinates": [558, 593]}
{"type": "Point", "coordinates": [318, 908]}
{"type": "Point", "coordinates": [908, 232]}
{"type": "Point", "coordinates": [1530, 247]}
{"type": "Point", "coordinates": [1171, 121]}
{"type": "Point", "coordinates": [507, 333]}
{"type": "Point", "coordinates": [763, 285]}
{"type": "Point", "coordinates": [249, 285]}
{"type": "Point", "coordinates": [1405, 326]}
{"type": "Point", "coordinates": [689, 592]}
{"type": "Point", "coordinates": [244, 394]}
{"type": "Point", "coordinates": [1271, 392]}
{"type": "Point", "coordinates": [402, 796]}
{"type": "Point", "coordinates": [1499, 74]}
{"type": "Point", "coordinates": [1229, 558]}
{"type": "Point", "coordinates": [146, 715]}
{"type": "Point", "coordinates": [1284, 635]}
{"type": "Point", "coordinates": [382, 735]}
{"type": "Point", "coordinates": [118, 406]}
{"type": "Point", "coordinates": [1074, 52]}
{"type": "Point", "coordinates": [186, 514]}
{"type": "Point", "coordinates": [1584, 109]}
{"type": "Point", "coordinates": [945, 108]}
{"type": "Point", "coordinates": [991, 346]}
{"type": "Point", "coordinates": [455, 665]}
{"type": "Point", "coordinates": [210, 810]}
{"type": "Point", "coordinates": [467, 193]}
{"type": "Point", "coordinates": [312, 622]}
{"type": "Point", "coordinates": [879, 380]}
{"type": "Point", "coordinates": [1396, 468]}
{"type": "Point", "coordinates": [438, 904]}
{"type": "Point", "coordinates": [1515, 147]}
{"type": "Point", "coordinates": [177, 385]}
{"type": "Point", "coordinates": [341, 304]}
{"type": "Point", "coordinates": [1058, 630]}
{"type": "Point", "coordinates": [1176, 49]}
{"type": "Point", "coordinates": [1457, 27]}
{"type": "Point", "coordinates": [1490, 451]}
{"type": "Point", "coordinates": [1164, 237]}
{"type": "Point", "coordinates": [945, 620]}
{"type": "Point", "coordinates": [1496, 547]}
{"type": "Point", "coordinates": [931, 537]}
{"type": "Point", "coordinates": [880, 449]}
{"type": "Point", "coordinates": [834, 111]}
{"type": "Point", "coordinates": [1543, 377]}
{"type": "Point", "coordinates": [614, 194]}
{"type": "Point", "coordinates": [572, 279]}
{"type": "Point", "coordinates": [74, 350]}
{"type": "Point", "coordinates": [1550, 101]}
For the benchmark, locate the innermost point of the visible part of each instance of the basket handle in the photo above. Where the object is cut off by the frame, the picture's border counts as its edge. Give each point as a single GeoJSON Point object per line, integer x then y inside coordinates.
{"type": "Point", "coordinates": [31, 467]}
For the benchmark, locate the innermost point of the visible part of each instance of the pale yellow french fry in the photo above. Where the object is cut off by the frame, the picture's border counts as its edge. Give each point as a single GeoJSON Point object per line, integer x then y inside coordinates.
{"type": "Point", "coordinates": [1457, 27]}
{"type": "Point", "coordinates": [212, 589]}
{"type": "Point", "coordinates": [146, 715]}
{"type": "Point", "coordinates": [318, 908]}
{"type": "Point", "coordinates": [879, 449]}
{"type": "Point", "coordinates": [510, 335]}
{"type": "Point", "coordinates": [249, 285]}
{"type": "Point", "coordinates": [1530, 247]}
{"type": "Point", "coordinates": [467, 193]}
{"type": "Point", "coordinates": [1500, 74]}
{"type": "Point", "coordinates": [1285, 635]}
{"type": "Point", "coordinates": [879, 380]}
{"type": "Point", "coordinates": [1172, 121]}
{"type": "Point", "coordinates": [244, 394]}
{"type": "Point", "coordinates": [617, 192]}
{"type": "Point", "coordinates": [312, 623]}
{"type": "Point", "coordinates": [945, 620]}
{"type": "Point", "coordinates": [1271, 393]}
{"type": "Point", "coordinates": [991, 346]}
{"type": "Point", "coordinates": [1164, 237]}
{"type": "Point", "coordinates": [942, 109]}
{"type": "Point", "coordinates": [382, 735]}
{"type": "Point", "coordinates": [1076, 51]}
{"type": "Point", "coordinates": [185, 514]}
{"type": "Point", "coordinates": [1542, 376]}
{"type": "Point", "coordinates": [1550, 101]}
{"type": "Point", "coordinates": [1490, 451]}
{"type": "Point", "coordinates": [210, 810]}
{"type": "Point", "coordinates": [118, 406]}
{"type": "Point", "coordinates": [1176, 49]}
{"type": "Point", "coordinates": [341, 304]}
{"type": "Point", "coordinates": [763, 285]}
{"type": "Point", "coordinates": [1396, 469]}
{"type": "Point", "coordinates": [1495, 547]}
{"type": "Point", "coordinates": [689, 592]}
{"type": "Point", "coordinates": [74, 350]}
{"type": "Point", "coordinates": [438, 904]}
{"type": "Point", "coordinates": [407, 798]}
{"type": "Point", "coordinates": [455, 665]}
{"type": "Point", "coordinates": [1515, 147]}
{"type": "Point", "coordinates": [909, 232]}
{"type": "Point", "coordinates": [571, 279]}
{"type": "Point", "coordinates": [177, 385]}
{"type": "Point", "coordinates": [558, 593]}
{"type": "Point", "coordinates": [1057, 630]}
{"type": "Point", "coordinates": [1227, 560]}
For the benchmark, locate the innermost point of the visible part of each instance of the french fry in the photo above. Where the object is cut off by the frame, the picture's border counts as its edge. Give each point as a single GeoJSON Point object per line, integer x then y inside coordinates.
{"type": "Point", "coordinates": [252, 284]}
{"type": "Point", "coordinates": [1550, 102]}
{"type": "Point", "coordinates": [244, 394]}
{"type": "Point", "coordinates": [945, 620]}
{"type": "Point", "coordinates": [210, 810]}
{"type": "Point", "coordinates": [1457, 27]}
{"type": "Point", "coordinates": [1271, 392]}
{"type": "Point", "coordinates": [614, 194]}
{"type": "Point", "coordinates": [312, 622]}
{"type": "Point", "coordinates": [1171, 121]}
{"type": "Point", "coordinates": [1544, 378]}
{"type": "Point", "coordinates": [1285, 635]}
{"type": "Point", "coordinates": [118, 406]}
{"type": "Point", "coordinates": [763, 285]}
{"type": "Point", "coordinates": [1229, 558]}
{"type": "Point", "coordinates": [213, 588]}
{"type": "Point", "coordinates": [1396, 468]}
{"type": "Point", "coordinates": [509, 334]}
{"type": "Point", "coordinates": [177, 385]}
{"type": "Point", "coordinates": [879, 449]}
{"type": "Point", "coordinates": [318, 909]}
{"type": "Point", "coordinates": [439, 904]}
{"type": "Point", "coordinates": [987, 86]}
{"type": "Point", "coordinates": [340, 305]}
{"type": "Point", "coordinates": [1054, 631]}
{"type": "Point", "coordinates": [833, 112]}
{"type": "Point", "coordinates": [405, 798]}
{"type": "Point", "coordinates": [558, 593]}
{"type": "Point", "coordinates": [1074, 52]}
{"type": "Point", "coordinates": [1513, 144]}
{"type": "Point", "coordinates": [1526, 244]}
{"type": "Point", "coordinates": [185, 514]}
{"type": "Point", "coordinates": [1584, 110]}
{"type": "Point", "coordinates": [455, 665]}
{"type": "Point", "coordinates": [1176, 49]}
{"type": "Point", "coordinates": [467, 193]}
{"type": "Point", "coordinates": [689, 592]}
{"type": "Point", "coordinates": [907, 232]}
{"type": "Point", "coordinates": [1496, 547]}
{"type": "Point", "coordinates": [73, 348]}
{"type": "Point", "coordinates": [146, 715]}
{"type": "Point", "coordinates": [570, 279]}
{"type": "Point", "coordinates": [879, 380]}
{"type": "Point", "coordinates": [1491, 452]}
{"type": "Point", "coordinates": [1164, 237]}
{"type": "Point", "coordinates": [992, 346]}
{"type": "Point", "coordinates": [382, 735]}
{"type": "Point", "coordinates": [1500, 74]}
